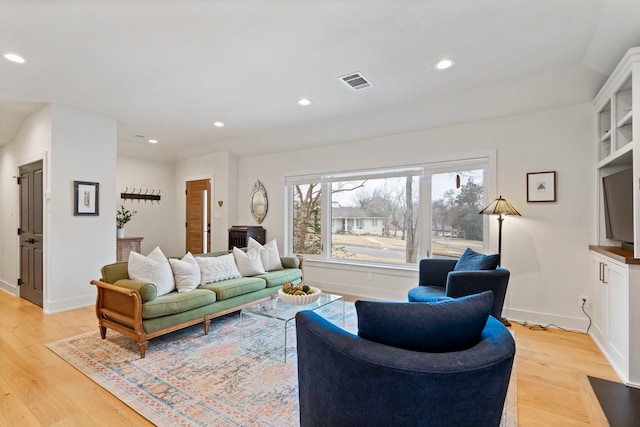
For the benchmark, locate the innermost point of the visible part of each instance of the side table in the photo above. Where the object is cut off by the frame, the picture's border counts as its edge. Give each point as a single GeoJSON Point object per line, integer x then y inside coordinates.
{"type": "Point", "coordinates": [126, 245]}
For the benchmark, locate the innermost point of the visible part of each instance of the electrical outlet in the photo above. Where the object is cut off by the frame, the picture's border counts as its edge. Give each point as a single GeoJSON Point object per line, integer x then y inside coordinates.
{"type": "Point", "coordinates": [583, 299]}
{"type": "Point", "coordinates": [369, 276]}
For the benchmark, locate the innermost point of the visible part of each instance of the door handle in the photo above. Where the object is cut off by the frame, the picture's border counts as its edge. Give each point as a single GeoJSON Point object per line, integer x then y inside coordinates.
{"type": "Point", "coordinates": [601, 272]}
{"type": "Point", "coordinates": [30, 241]}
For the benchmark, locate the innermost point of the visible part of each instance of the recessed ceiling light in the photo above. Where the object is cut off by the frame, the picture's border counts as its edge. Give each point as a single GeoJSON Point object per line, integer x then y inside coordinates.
{"type": "Point", "coordinates": [153, 141]}
{"type": "Point", "coordinates": [304, 102]}
{"type": "Point", "coordinates": [444, 64]}
{"type": "Point", "coordinates": [218, 124]}
{"type": "Point", "coordinates": [14, 57]}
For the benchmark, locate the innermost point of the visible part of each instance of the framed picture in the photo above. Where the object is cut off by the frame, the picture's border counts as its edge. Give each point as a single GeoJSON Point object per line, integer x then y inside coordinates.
{"type": "Point", "coordinates": [541, 186]}
{"type": "Point", "coordinates": [86, 198]}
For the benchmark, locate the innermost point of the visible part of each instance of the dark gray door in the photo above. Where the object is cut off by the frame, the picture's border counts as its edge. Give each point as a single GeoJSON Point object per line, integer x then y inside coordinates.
{"type": "Point", "coordinates": [31, 213]}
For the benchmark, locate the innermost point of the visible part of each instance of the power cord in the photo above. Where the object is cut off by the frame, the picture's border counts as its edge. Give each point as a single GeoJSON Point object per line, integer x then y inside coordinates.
{"type": "Point", "coordinates": [584, 302]}
{"type": "Point", "coordinates": [538, 327]}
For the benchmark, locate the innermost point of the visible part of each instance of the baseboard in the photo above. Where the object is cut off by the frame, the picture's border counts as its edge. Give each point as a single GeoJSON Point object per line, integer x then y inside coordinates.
{"type": "Point", "coordinates": [55, 306]}
{"type": "Point", "coordinates": [544, 319]}
{"type": "Point", "coordinates": [9, 288]}
{"type": "Point", "coordinates": [615, 365]}
{"type": "Point", "coordinates": [51, 307]}
{"type": "Point", "coordinates": [360, 292]}
{"type": "Point", "coordinates": [390, 294]}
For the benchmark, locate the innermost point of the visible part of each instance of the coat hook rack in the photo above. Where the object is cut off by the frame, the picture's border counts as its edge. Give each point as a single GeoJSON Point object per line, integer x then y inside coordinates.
{"type": "Point", "coordinates": [139, 195]}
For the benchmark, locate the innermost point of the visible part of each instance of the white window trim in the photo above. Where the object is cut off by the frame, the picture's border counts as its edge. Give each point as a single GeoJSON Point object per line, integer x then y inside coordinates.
{"type": "Point", "coordinates": [443, 164]}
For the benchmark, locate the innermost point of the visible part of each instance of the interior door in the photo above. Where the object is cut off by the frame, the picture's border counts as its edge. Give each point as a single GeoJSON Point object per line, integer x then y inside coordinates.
{"type": "Point", "coordinates": [198, 216]}
{"type": "Point", "coordinates": [31, 233]}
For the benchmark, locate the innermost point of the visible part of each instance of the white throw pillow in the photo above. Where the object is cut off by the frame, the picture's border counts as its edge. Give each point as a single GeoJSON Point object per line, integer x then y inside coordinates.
{"type": "Point", "coordinates": [249, 263]}
{"type": "Point", "coordinates": [268, 254]}
{"type": "Point", "coordinates": [154, 268]}
{"type": "Point", "coordinates": [186, 273]}
{"type": "Point", "coordinates": [217, 268]}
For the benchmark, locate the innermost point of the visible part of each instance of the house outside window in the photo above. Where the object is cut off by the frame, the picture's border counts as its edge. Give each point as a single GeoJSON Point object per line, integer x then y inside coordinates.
{"type": "Point", "coordinates": [389, 216]}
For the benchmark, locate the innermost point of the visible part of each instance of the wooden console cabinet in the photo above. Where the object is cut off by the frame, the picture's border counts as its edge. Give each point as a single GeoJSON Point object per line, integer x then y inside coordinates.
{"type": "Point", "coordinates": [126, 245]}
{"type": "Point", "coordinates": [239, 235]}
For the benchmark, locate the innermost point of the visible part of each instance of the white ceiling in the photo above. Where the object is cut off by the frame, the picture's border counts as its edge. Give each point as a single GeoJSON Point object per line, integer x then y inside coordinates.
{"type": "Point", "coordinates": [169, 69]}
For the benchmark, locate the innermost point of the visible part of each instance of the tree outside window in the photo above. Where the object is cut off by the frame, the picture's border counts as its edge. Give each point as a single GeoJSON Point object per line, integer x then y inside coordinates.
{"type": "Point", "coordinates": [377, 219]}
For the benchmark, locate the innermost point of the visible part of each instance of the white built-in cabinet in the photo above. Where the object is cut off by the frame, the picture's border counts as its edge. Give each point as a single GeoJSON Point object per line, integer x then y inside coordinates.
{"type": "Point", "coordinates": [618, 132]}
{"type": "Point", "coordinates": [609, 296]}
{"type": "Point", "coordinates": [615, 315]}
{"type": "Point", "coordinates": [615, 275]}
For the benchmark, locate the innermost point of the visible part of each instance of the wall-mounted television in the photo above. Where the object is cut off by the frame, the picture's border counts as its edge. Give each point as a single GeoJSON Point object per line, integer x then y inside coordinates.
{"type": "Point", "coordinates": [618, 206]}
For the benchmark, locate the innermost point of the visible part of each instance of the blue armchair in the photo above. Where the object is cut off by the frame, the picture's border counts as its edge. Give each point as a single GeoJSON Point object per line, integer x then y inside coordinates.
{"type": "Point", "coordinates": [438, 279]}
{"type": "Point", "coordinates": [347, 380]}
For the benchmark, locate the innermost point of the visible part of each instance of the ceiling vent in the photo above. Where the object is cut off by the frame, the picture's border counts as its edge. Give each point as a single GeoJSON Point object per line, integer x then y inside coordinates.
{"type": "Point", "coordinates": [356, 81]}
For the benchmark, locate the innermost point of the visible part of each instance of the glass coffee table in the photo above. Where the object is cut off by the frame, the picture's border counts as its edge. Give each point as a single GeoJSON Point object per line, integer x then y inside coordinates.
{"type": "Point", "coordinates": [280, 311]}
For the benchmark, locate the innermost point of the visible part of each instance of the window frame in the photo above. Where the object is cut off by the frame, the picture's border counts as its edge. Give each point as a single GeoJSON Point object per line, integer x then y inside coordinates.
{"type": "Point", "coordinates": [483, 160]}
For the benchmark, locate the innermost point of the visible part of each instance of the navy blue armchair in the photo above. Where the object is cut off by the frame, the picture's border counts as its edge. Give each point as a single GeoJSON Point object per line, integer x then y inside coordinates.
{"type": "Point", "coordinates": [437, 279]}
{"type": "Point", "coordinates": [346, 380]}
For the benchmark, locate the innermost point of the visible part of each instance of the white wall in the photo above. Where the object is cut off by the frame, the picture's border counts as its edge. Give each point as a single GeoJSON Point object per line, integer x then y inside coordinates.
{"type": "Point", "coordinates": [83, 149]}
{"type": "Point", "coordinates": [32, 143]}
{"type": "Point", "coordinates": [221, 168]}
{"type": "Point", "coordinates": [545, 249]}
{"type": "Point", "coordinates": [74, 145]}
{"type": "Point", "coordinates": [155, 222]}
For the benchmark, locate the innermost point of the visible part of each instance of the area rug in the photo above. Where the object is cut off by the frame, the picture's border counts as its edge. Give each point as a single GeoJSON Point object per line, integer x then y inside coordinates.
{"type": "Point", "coordinates": [231, 377]}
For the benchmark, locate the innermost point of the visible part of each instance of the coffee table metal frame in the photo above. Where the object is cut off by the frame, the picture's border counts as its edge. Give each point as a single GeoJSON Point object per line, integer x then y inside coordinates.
{"type": "Point", "coordinates": [277, 309]}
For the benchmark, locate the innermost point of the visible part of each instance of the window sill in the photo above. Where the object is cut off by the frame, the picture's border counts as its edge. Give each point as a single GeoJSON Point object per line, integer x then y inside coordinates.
{"type": "Point", "coordinates": [409, 269]}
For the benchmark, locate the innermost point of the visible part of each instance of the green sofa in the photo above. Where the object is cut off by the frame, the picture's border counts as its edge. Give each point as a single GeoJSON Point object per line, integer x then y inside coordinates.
{"type": "Point", "coordinates": [132, 307]}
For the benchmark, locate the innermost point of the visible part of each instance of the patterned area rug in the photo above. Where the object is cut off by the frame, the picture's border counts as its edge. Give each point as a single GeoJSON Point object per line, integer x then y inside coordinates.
{"type": "Point", "coordinates": [231, 377]}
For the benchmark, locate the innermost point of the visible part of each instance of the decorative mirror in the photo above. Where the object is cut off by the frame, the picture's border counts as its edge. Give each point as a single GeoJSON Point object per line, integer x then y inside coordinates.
{"type": "Point", "coordinates": [259, 204]}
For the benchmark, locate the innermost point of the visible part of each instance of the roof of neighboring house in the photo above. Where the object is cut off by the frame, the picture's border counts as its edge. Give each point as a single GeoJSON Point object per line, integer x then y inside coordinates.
{"type": "Point", "coordinates": [350, 212]}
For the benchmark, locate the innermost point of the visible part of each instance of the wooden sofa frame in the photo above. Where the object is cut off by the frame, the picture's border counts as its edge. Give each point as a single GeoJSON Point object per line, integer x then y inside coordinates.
{"type": "Point", "coordinates": [120, 309]}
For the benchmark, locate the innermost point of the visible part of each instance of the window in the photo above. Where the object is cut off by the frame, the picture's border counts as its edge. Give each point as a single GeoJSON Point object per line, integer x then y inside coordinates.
{"type": "Point", "coordinates": [390, 216]}
{"type": "Point", "coordinates": [307, 218]}
{"type": "Point", "coordinates": [392, 202]}
{"type": "Point", "coordinates": [456, 199]}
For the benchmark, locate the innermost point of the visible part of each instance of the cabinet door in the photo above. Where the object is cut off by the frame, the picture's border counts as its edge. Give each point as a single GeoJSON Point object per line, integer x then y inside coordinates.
{"type": "Point", "coordinates": [618, 327]}
{"type": "Point", "coordinates": [598, 298]}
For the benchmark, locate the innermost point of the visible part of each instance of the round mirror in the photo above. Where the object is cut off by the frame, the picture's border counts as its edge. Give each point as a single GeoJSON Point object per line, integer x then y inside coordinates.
{"type": "Point", "coordinates": [259, 204]}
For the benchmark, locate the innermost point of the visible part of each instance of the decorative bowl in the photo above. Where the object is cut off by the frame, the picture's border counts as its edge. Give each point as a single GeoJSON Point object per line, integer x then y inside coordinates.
{"type": "Point", "coordinates": [299, 299]}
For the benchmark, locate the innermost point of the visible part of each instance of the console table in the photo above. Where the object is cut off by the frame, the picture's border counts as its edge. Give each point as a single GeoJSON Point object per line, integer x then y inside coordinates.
{"type": "Point", "coordinates": [126, 245]}
{"type": "Point", "coordinates": [239, 235]}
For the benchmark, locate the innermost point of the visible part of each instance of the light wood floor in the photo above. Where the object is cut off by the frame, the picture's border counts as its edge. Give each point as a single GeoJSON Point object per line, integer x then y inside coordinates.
{"type": "Point", "coordinates": [37, 388]}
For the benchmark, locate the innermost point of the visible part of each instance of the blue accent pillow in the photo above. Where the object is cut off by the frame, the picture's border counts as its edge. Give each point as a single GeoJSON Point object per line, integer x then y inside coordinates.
{"type": "Point", "coordinates": [472, 260]}
{"type": "Point", "coordinates": [435, 327]}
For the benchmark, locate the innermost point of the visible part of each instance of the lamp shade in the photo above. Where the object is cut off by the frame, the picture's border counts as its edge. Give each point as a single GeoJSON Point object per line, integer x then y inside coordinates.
{"type": "Point", "coordinates": [499, 207]}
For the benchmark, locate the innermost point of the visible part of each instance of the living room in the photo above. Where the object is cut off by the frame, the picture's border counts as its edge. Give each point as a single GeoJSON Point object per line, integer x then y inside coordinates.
{"type": "Point", "coordinates": [541, 120]}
